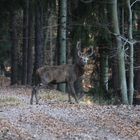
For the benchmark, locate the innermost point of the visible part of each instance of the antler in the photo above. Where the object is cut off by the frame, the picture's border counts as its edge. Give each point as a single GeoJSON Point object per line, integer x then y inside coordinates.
{"type": "Point", "coordinates": [78, 48]}
{"type": "Point", "coordinates": [80, 54]}
{"type": "Point", "coordinates": [78, 45]}
{"type": "Point", "coordinates": [91, 47]}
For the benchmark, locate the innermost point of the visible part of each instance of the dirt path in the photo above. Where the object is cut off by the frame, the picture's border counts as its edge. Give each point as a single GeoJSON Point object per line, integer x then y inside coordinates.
{"type": "Point", "coordinates": [55, 119]}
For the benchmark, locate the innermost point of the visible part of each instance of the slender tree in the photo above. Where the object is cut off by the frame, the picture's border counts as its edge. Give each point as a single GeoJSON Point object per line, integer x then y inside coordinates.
{"type": "Point", "coordinates": [63, 36]}
{"type": "Point", "coordinates": [103, 50]}
{"type": "Point", "coordinates": [14, 47]}
{"type": "Point", "coordinates": [25, 41]}
{"type": "Point", "coordinates": [120, 49]}
{"type": "Point", "coordinates": [39, 44]}
{"type": "Point", "coordinates": [30, 43]}
{"type": "Point", "coordinates": [131, 67]}
{"type": "Point", "coordinates": [137, 48]}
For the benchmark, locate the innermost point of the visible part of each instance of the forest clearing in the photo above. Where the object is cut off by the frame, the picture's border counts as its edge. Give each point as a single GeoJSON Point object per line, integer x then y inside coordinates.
{"type": "Point", "coordinates": [55, 119]}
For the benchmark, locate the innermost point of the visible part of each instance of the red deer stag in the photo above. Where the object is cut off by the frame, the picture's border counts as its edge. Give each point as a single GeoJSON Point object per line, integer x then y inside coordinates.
{"type": "Point", "coordinates": [66, 73]}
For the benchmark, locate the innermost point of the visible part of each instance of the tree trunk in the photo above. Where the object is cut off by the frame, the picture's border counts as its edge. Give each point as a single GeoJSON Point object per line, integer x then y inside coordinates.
{"type": "Point", "coordinates": [104, 72]}
{"type": "Point", "coordinates": [62, 37]}
{"type": "Point", "coordinates": [30, 44]}
{"type": "Point", "coordinates": [137, 52]}
{"type": "Point", "coordinates": [14, 48]}
{"type": "Point", "coordinates": [131, 67]}
{"type": "Point", "coordinates": [114, 60]}
{"type": "Point", "coordinates": [39, 45]}
{"type": "Point", "coordinates": [121, 62]}
{"type": "Point", "coordinates": [103, 44]}
{"type": "Point", "coordinates": [25, 42]}
{"type": "Point", "coordinates": [51, 42]}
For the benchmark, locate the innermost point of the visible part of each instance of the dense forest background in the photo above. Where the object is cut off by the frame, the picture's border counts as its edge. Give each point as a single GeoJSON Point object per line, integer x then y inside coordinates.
{"type": "Point", "coordinates": [34, 33]}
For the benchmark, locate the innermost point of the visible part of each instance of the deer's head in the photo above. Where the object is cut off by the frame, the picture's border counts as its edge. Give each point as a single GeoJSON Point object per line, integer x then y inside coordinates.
{"type": "Point", "coordinates": [83, 57]}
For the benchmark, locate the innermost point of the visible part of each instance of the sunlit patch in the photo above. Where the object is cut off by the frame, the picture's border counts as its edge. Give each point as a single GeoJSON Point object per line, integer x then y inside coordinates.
{"type": "Point", "coordinates": [87, 85]}
{"type": "Point", "coordinates": [88, 102]}
{"type": "Point", "coordinates": [8, 68]}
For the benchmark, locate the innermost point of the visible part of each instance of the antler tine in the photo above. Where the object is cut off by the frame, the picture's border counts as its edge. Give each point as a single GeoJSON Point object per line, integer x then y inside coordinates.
{"type": "Point", "coordinates": [78, 48]}
{"type": "Point", "coordinates": [91, 47]}
{"type": "Point", "coordinates": [79, 54]}
{"type": "Point", "coordinates": [78, 45]}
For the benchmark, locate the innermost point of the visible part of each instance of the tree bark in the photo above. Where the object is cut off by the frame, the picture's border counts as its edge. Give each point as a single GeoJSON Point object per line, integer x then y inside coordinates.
{"type": "Point", "coordinates": [131, 67]}
{"type": "Point", "coordinates": [14, 48]}
{"type": "Point", "coordinates": [103, 44]}
{"type": "Point", "coordinates": [104, 66]}
{"type": "Point", "coordinates": [63, 37]}
{"type": "Point", "coordinates": [30, 44]}
{"type": "Point", "coordinates": [39, 45]}
{"type": "Point", "coordinates": [25, 42]}
{"type": "Point", "coordinates": [137, 52]}
{"type": "Point", "coordinates": [121, 62]}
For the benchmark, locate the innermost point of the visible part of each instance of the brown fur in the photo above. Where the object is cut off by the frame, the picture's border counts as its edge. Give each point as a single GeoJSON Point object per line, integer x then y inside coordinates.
{"type": "Point", "coordinates": [67, 73]}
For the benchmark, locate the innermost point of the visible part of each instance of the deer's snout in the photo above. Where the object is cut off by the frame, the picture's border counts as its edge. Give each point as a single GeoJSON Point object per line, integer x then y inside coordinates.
{"type": "Point", "coordinates": [84, 60]}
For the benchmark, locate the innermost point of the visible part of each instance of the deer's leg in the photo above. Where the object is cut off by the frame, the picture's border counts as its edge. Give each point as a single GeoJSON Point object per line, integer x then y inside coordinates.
{"type": "Point", "coordinates": [69, 91]}
{"type": "Point", "coordinates": [73, 92]}
{"type": "Point", "coordinates": [34, 93]}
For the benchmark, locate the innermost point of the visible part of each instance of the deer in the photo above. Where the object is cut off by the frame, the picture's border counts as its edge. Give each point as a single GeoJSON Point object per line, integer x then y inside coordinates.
{"type": "Point", "coordinates": [66, 73]}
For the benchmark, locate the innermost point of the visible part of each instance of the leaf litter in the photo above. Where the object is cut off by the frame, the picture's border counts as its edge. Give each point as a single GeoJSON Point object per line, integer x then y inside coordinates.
{"type": "Point", "coordinates": [55, 119]}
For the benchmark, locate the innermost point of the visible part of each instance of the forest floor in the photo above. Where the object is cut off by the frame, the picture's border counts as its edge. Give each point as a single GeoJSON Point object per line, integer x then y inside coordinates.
{"type": "Point", "coordinates": [55, 119]}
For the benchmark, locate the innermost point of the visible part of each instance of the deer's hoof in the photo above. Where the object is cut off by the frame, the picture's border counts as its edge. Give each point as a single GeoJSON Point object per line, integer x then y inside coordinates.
{"type": "Point", "coordinates": [70, 102]}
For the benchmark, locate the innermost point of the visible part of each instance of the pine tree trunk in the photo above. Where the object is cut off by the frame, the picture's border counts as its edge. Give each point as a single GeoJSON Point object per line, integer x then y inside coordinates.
{"type": "Point", "coordinates": [51, 42]}
{"type": "Point", "coordinates": [103, 39]}
{"type": "Point", "coordinates": [14, 48]}
{"type": "Point", "coordinates": [39, 45]}
{"type": "Point", "coordinates": [25, 42]}
{"type": "Point", "coordinates": [30, 44]}
{"type": "Point", "coordinates": [62, 37]}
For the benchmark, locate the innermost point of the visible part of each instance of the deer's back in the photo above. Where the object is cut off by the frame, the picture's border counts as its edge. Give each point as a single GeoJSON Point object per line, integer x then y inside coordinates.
{"type": "Point", "coordinates": [56, 74]}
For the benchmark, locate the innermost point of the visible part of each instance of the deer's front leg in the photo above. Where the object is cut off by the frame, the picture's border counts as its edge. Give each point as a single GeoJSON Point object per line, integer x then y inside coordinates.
{"type": "Point", "coordinates": [69, 92]}
{"type": "Point", "coordinates": [73, 92]}
{"type": "Point", "coordinates": [34, 93]}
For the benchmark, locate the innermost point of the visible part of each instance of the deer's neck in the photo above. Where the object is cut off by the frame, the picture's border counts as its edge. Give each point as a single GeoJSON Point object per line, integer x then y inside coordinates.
{"type": "Point", "coordinates": [79, 69]}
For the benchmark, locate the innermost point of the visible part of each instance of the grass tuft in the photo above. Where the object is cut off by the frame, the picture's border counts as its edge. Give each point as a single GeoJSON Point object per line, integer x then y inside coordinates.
{"type": "Point", "coordinates": [9, 101]}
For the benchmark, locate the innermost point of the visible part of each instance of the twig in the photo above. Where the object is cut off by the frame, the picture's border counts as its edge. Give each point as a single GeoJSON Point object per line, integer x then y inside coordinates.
{"type": "Point", "coordinates": [134, 2]}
